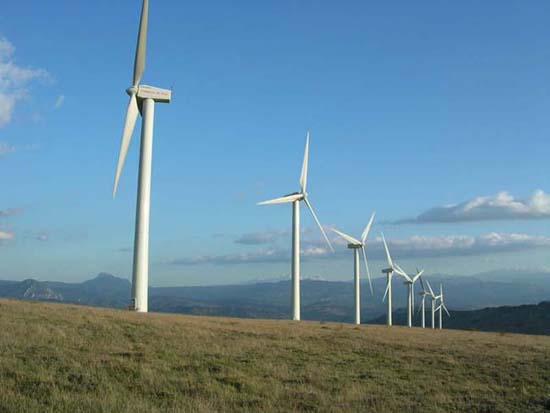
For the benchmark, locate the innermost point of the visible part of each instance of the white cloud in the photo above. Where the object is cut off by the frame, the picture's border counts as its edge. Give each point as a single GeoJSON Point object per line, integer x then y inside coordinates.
{"type": "Point", "coordinates": [259, 238]}
{"type": "Point", "coordinates": [59, 101]}
{"type": "Point", "coordinates": [14, 81]}
{"type": "Point", "coordinates": [6, 148]}
{"type": "Point", "coordinates": [460, 245]}
{"type": "Point", "coordinates": [10, 211]}
{"type": "Point", "coordinates": [415, 246]}
{"type": "Point", "coordinates": [501, 206]}
{"type": "Point", "coordinates": [6, 236]}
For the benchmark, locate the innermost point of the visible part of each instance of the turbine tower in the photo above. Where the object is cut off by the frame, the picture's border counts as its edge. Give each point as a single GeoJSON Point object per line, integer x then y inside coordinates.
{"type": "Point", "coordinates": [357, 245]}
{"type": "Point", "coordinates": [389, 273]}
{"type": "Point", "coordinates": [441, 307]}
{"type": "Point", "coordinates": [142, 100]}
{"type": "Point", "coordinates": [422, 308]}
{"type": "Point", "coordinates": [295, 199]}
{"type": "Point", "coordinates": [409, 281]}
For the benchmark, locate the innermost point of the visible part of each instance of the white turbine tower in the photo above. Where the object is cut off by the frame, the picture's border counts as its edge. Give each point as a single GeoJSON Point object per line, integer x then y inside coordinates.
{"type": "Point", "coordinates": [295, 199]}
{"type": "Point", "coordinates": [409, 281]}
{"type": "Point", "coordinates": [422, 308]}
{"type": "Point", "coordinates": [389, 273]}
{"type": "Point", "coordinates": [441, 307]}
{"type": "Point", "coordinates": [142, 99]}
{"type": "Point", "coordinates": [357, 245]}
{"type": "Point", "coordinates": [434, 299]}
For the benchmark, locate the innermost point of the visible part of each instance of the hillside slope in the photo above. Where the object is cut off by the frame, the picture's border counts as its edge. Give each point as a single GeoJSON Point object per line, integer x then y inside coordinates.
{"type": "Point", "coordinates": [64, 358]}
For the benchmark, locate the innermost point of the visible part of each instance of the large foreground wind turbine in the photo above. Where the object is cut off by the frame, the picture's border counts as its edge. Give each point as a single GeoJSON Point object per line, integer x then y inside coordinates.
{"type": "Point", "coordinates": [409, 281]}
{"type": "Point", "coordinates": [142, 99]}
{"type": "Point", "coordinates": [389, 273]}
{"type": "Point", "coordinates": [357, 245]}
{"type": "Point", "coordinates": [441, 307]}
{"type": "Point", "coordinates": [295, 199]}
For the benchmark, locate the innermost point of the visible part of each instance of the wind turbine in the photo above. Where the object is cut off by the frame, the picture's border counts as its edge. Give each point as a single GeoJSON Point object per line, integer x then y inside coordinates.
{"type": "Point", "coordinates": [409, 281]}
{"type": "Point", "coordinates": [142, 100]}
{"type": "Point", "coordinates": [389, 273]}
{"type": "Point", "coordinates": [357, 245]}
{"type": "Point", "coordinates": [295, 199]}
{"type": "Point", "coordinates": [434, 299]}
{"type": "Point", "coordinates": [422, 308]}
{"type": "Point", "coordinates": [441, 307]}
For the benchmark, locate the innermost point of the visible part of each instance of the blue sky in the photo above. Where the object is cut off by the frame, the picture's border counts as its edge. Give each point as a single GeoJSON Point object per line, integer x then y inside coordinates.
{"type": "Point", "coordinates": [410, 106]}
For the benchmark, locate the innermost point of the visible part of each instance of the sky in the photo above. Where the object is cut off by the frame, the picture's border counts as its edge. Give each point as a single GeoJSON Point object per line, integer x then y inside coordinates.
{"type": "Point", "coordinates": [433, 114]}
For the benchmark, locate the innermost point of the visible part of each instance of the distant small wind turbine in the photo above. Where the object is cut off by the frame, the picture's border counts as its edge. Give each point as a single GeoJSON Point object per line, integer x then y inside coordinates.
{"type": "Point", "coordinates": [357, 245]}
{"type": "Point", "coordinates": [422, 308]}
{"type": "Point", "coordinates": [389, 273]}
{"type": "Point", "coordinates": [142, 99]}
{"type": "Point", "coordinates": [434, 299]}
{"type": "Point", "coordinates": [295, 199]}
{"type": "Point", "coordinates": [441, 307]}
{"type": "Point", "coordinates": [409, 281]}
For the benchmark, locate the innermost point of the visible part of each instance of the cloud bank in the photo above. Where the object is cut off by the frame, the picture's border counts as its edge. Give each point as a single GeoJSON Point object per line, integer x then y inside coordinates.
{"type": "Point", "coordinates": [413, 247]}
{"type": "Point", "coordinates": [261, 238]}
{"type": "Point", "coordinates": [501, 206]}
{"type": "Point", "coordinates": [15, 81]}
{"type": "Point", "coordinates": [8, 212]}
{"type": "Point", "coordinates": [6, 236]}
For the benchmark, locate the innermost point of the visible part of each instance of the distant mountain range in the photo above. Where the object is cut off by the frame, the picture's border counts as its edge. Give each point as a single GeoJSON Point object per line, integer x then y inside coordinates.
{"type": "Point", "coordinates": [321, 300]}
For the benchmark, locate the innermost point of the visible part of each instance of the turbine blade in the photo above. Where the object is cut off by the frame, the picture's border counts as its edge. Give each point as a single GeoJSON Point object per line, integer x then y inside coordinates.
{"type": "Point", "coordinates": [387, 289]}
{"type": "Point", "coordinates": [348, 238]}
{"type": "Point", "coordinates": [129, 125]}
{"type": "Point", "coordinates": [388, 256]}
{"type": "Point", "coordinates": [282, 200]}
{"type": "Point", "coordinates": [318, 223]}
{"type": "Point", "coordinates": [422, 284]}
{"type": "Point", "coordinates": [445, 308]}
{"type": "Point", "coordinates": [418, 275]}
{"type": "Point", "coordinates": [412, 293]}
{"type": "Point", "coordinates": [430, 288]}
{"type": "Point", "coordinates": [303, 176]}
{"type": "Point", "coordinates": [139, 62]}
{"type": "Point", "coordinates": [400, 271]}
{"type": "Point", "coordinates": [419, 307]}
{"type": "Point", "coordinates": [367, 228]}
{"type": "Point", "coordinates": [367, 268]}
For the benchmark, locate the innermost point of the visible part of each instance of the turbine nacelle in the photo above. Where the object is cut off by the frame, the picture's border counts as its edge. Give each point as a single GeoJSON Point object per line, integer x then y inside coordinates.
{"type": "Point", "coordinates": [355, 244]}
{"type": "Point", "coordinates": [143, 92]}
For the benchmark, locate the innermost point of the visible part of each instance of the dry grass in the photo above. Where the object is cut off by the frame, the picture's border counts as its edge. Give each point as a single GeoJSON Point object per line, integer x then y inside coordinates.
{"type": "Point", "coordinates": [62, 358]}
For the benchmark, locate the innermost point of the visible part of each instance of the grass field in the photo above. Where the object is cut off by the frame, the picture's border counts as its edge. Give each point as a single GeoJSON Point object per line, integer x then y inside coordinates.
{"type": "Point", "coordinates": [64, 358]}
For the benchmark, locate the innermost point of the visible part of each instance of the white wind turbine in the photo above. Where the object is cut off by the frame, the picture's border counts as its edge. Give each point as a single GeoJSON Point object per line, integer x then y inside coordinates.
{"type": "Point", "coordinates": [295, 199]}
{"type": "Point", "coordinates": [409, 281]}
{"type": "Point", "coordinates": [422, 308]}
{"type": "Point", "coordinates": [434, 299]}
{"type": "Point", "coordinates": [389, 273]}
{"type": "Point", "coordinates": [441, 307]}
{"type": "Point", "coordinates": [357, 245]}
{"type": "Point", "coordinates": [142, 99]}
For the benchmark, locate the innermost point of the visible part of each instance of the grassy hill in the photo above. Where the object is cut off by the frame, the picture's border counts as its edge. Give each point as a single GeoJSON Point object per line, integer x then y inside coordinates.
{"type": "Point", "coordinates": [65, 358]}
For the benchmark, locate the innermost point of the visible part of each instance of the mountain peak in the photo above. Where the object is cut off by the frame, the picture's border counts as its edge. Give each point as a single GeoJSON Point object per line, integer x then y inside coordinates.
{"type": "Point", "coordinates": [105, 276]}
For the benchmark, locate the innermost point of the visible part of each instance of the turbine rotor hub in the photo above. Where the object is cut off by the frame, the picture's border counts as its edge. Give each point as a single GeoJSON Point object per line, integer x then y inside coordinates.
{"type": "Point", "coordinates": [132, 90]}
